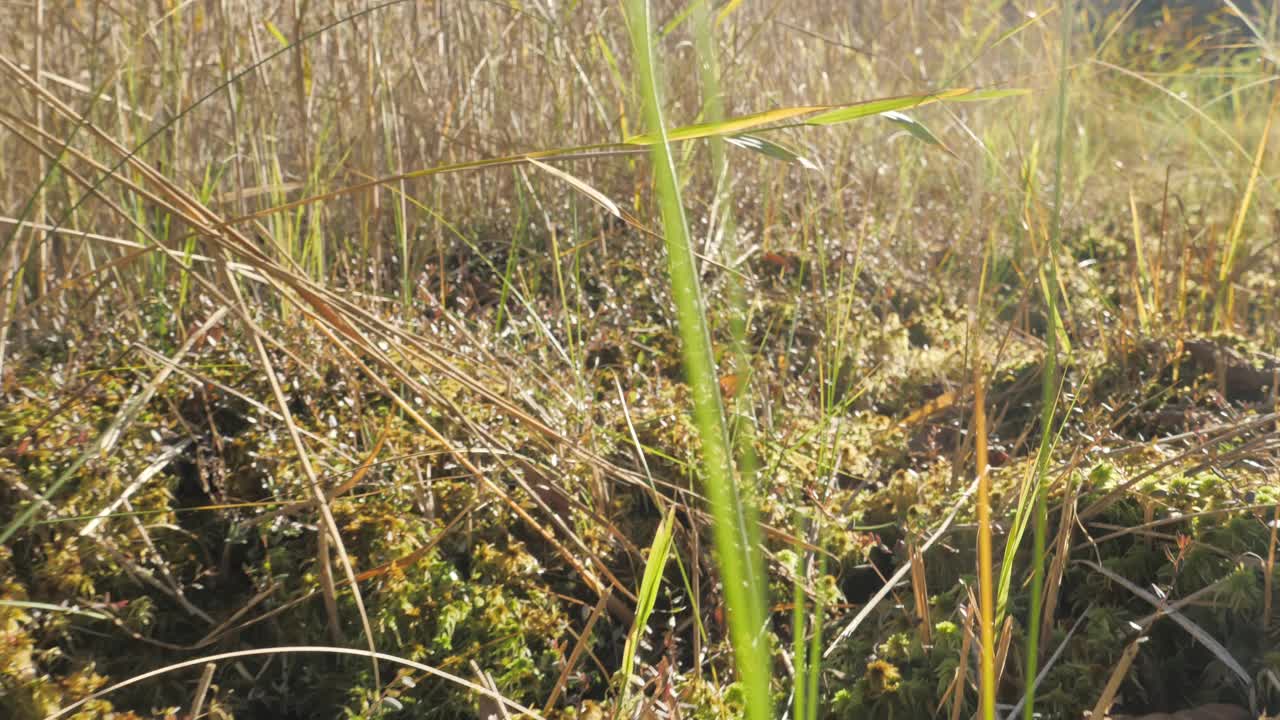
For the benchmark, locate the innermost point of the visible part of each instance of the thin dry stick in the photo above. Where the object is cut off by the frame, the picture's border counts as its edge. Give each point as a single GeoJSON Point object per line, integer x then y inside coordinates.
{"type": "Point", "coordinates": [1118, 674]}
{"type": "Point", "coordinates": [329, 594]}
{"type": "Point", "coordinates": [1062, 546]}
{"type": "Point", "coordinates": [9, 269]}
{"type": "Point", "coordinates": [576, 653]}
{"type": "Point", "coordinates": [42, 279]}
{"type": "Point", "coordinates": [900, 573]}
{"type": "Point", "coordinates": [920, 593]}
{"type": "Point", "coordinates": [958, 682]}
{"type": "Point", "coordinates": [487, 681]}
{"type": "Point", "coordinates": [206, 679]}
{"type": "Point", "coordinates": [299, 649]}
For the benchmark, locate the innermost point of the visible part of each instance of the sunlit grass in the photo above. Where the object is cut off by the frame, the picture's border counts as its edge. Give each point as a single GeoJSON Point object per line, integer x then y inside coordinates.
{"type": "Point", "coordinates": [367, 171]}
{"type": "Point", "coordinates": [734, 523]}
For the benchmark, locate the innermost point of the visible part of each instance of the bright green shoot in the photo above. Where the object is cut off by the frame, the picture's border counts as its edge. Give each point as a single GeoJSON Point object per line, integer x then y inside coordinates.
{"type": "Point", "coordinates": [650, 583]}
{"type": "Point", "coordinates": [734, 527]}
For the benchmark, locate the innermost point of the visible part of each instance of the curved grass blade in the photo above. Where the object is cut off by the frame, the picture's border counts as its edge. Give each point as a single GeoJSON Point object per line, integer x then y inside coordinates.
{"type": "Point", "coordinates": [830, 115]}
{"type": "Point", "coordinates": [600, 198]}
{"type": "Point", "coordinates": [1200, 634]}
{"type": "Point", "coordinates": [295, 650]}
{"type": "Point", "coordinates": [916, 128]}
{"type": "Point", "coordinates": [731, 126]}
{"type": "Point", "coordinates": [876, 107]}
{"type": "Point", "coordinates": [771, 149]}
{"type": "Point", "coordinates": [50, 607]}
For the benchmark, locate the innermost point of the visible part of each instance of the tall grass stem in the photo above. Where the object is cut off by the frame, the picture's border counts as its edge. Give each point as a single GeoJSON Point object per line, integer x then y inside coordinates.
{"type": "Point", "coordinates": [1049, 379]}
{"type": "Point", "coordinates": [736, 539]}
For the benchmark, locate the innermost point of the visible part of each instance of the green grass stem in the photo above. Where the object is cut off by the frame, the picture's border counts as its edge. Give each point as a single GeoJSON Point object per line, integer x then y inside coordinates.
{"type": "Point", "coordinates": [736, 536]}
{"type": "Point", "coordinates": [1049, 379]}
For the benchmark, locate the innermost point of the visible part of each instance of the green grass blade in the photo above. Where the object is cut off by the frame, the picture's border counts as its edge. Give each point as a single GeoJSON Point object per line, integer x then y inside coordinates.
{"type": "Point", "coordinates": [731, 126]}
{"type": "Point", "coordinates": [736, 539]}
{"type": "Point", "coordinates": [985, 95]}
{"type": "Point", "coordinates": [876, 107]}
{"type": "Point", "coordinates": [647, 595]}
{"type": "Point", "coordinates": [814, 670]}
{"type": "Point", "coordinates": [800, 695]}
{"type": "Point", "coordinates": [1049, 381]}
{"type": "Point", "coordinates": [916, 128]}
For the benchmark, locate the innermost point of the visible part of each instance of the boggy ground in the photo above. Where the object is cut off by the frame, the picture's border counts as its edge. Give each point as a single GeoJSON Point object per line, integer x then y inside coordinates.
{"type": "Point", "coordinates": [207, 540]}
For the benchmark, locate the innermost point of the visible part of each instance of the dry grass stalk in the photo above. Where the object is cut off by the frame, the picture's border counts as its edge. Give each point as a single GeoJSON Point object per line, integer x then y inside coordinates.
{"type": "Point", "coordinates": [960, 680]}
{"type": "Point", "coordinates": [1002, 648]}
{"type": "Point", "coordinates": [1121, 670]}
{"type": "Point", "coordinates": [331, 315]}
{"type": "Point", "coordinates": [202, 691]}
{"type": "Point", "coordinates": [576, 654]}
{"type": "Point", "coordinates": [920, 593]}
{"type": "Point", "coordinates": [303, 650]}
{"type": "Point", "coordinates": [989, 675]}
{"type": "Point", "coordinates": [183, 205]}
{"type": "Point", "coordinates": [1061, 551]}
